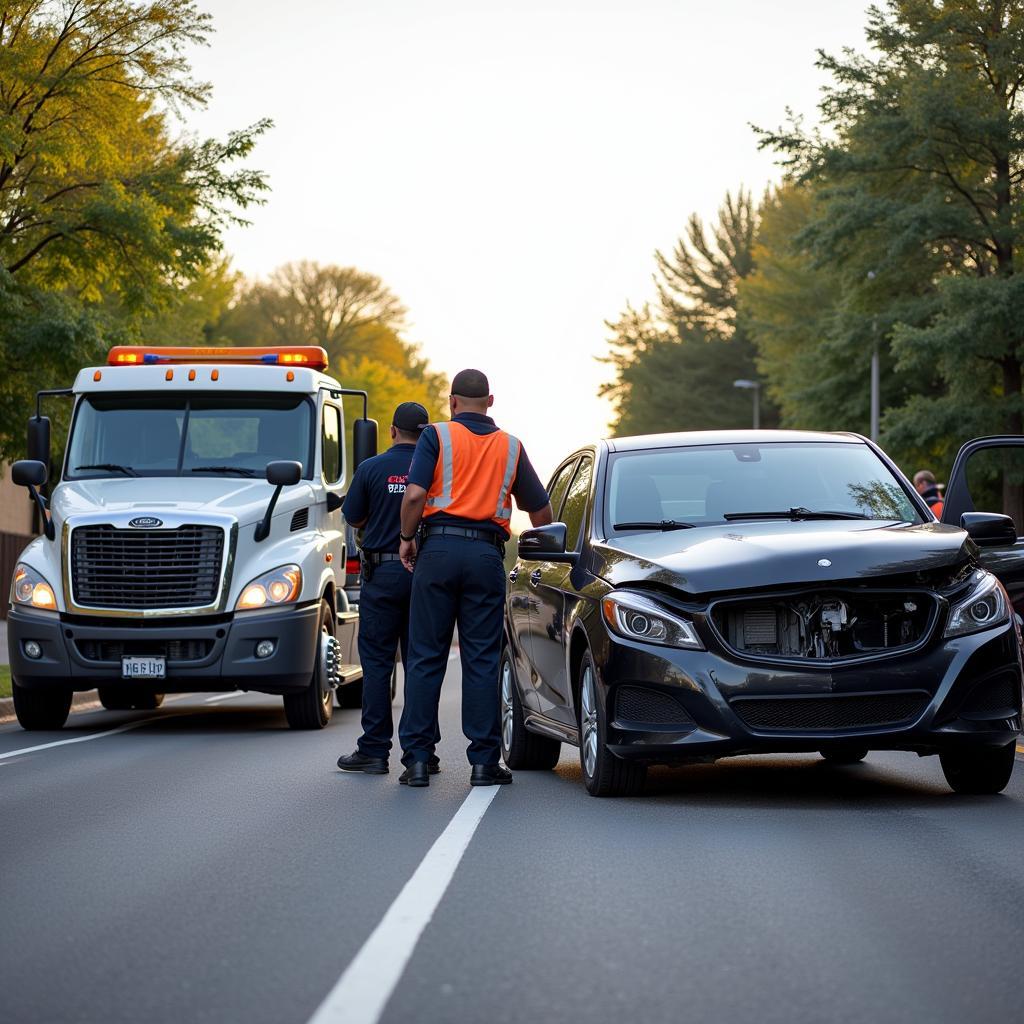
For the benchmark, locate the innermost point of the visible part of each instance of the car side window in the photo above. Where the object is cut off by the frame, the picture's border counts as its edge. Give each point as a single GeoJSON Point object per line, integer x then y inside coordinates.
{"type": "Point", "coordinates": [558, 486]}
{"type": "Point", "coordinates": [332, 450]}
{"type": "Point", "coordinates": [575, 509]}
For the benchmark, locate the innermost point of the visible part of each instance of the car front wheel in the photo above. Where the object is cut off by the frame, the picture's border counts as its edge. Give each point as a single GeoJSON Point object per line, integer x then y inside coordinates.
{"type": "Point", "coordinates": [604, 774]}
{"type": "Point", "coordinates": [520, 748]}
{"type": "Point", "coordinates": [978, 770]}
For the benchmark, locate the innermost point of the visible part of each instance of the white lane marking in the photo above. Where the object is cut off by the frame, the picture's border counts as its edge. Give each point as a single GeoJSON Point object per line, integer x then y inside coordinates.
{"type": "Point", "coordinates": [363, 990]}
{"type": "Point", "coordinates": [452, 655]}
{"type": "Point", "coordinates": [7, 754]}
{"type": "Point", "coordinates": [226, 696]}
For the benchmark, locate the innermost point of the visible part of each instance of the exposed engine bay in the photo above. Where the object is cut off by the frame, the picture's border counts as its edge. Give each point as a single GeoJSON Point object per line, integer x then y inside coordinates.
{"type": "Point", "coordinates": [826, 626]}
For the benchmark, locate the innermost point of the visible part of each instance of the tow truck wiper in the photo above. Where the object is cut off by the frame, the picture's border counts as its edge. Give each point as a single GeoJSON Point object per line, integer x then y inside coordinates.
{"type": "Point", "coordinates": [241, 470]}
{"type": "Point", "coordinates": [110, 467]}
{"type": "Point", "coordinates": [796, 513]}
{"type": "Point", "coordinates": [664, 524]}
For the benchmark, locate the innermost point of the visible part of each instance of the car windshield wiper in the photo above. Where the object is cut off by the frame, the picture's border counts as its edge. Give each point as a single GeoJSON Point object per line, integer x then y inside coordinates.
{"type": "Point", "coordinates": [796, 513]}
{"type": "Point", "coordinates": [110, 467]}
{"type": "Point", "coordinates": [664, 524]}
{"type": "Point", "coordinates": [240, 470]}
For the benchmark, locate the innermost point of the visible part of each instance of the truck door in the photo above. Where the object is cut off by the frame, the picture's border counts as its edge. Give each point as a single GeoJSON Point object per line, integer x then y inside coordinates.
{"type": "Point", "coordinates": [976, 485]}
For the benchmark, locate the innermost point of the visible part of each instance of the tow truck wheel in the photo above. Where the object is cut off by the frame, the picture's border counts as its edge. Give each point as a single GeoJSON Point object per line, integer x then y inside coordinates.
{"type": "Point", "coordinates": [117, 698]}
{"type": "Point", "coordinates": [312, 708]}
{"type": "Point", "coordinates": [45, 707]}
{"type": "Point", "coordinates": [978, 770]}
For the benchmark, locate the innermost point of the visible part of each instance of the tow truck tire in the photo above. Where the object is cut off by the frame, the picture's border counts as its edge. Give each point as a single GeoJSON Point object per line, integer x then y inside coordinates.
{"type": "Point", "coordinates": [41, 708]}
{"type": "Point", "coordinates": [313, 706]}
{"type": "Point", "coordinates": [979, 770]}
{"type": "Point", "coordinates": [116, 698]}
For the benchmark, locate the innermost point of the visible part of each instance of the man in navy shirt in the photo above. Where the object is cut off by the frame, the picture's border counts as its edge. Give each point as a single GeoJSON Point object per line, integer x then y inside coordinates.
{"type": "Point", "coordinates": [373, 504]}
{"type": "Point", "coordinates": [463, 478]}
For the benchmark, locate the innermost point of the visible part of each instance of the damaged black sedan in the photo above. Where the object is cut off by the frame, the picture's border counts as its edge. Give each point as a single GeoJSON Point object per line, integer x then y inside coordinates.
{"type": "Point", "coordinates": [712, 594]}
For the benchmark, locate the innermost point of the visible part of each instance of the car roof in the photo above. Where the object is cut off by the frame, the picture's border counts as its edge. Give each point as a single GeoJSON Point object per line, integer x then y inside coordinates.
{"type": "Point", "coordinates": [691, 438]}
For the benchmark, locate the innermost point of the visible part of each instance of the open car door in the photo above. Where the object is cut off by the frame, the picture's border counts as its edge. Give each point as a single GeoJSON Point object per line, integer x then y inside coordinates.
{"type": "Point", "coordinates": [974, 501]}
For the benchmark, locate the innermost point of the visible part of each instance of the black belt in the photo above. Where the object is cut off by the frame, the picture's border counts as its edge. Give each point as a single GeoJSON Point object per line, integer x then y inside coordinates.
{"type": "Point", "coordinates": [379, 557]}
{"type": "Point", "coordinates": [465, 531]}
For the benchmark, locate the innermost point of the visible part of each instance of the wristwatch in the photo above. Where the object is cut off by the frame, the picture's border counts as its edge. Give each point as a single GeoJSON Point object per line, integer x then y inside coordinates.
{"type": "Point", "coordinates": [406, 539]}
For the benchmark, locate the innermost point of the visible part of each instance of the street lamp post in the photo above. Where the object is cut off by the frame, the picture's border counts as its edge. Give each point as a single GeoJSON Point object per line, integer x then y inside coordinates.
{"type": "Point", "coordinates": [755, 386]}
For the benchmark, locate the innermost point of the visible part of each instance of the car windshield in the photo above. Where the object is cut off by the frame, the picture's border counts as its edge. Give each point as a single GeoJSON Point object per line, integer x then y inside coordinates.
{"type": "Point", "coordinates": [198, 435]}
{"type": "Point", "coordinates": [713, 484]}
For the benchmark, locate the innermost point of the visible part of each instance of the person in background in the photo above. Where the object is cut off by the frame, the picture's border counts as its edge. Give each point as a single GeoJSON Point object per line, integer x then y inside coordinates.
{"type": "Point", "coordinates": [924, 481]}
{"type": "Point", "coordinates": [373, 504]}
{"type": "Point", "coordinates": [463, 478]}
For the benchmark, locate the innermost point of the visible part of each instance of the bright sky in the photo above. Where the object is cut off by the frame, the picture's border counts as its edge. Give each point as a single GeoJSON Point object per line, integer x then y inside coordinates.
{"type": "Point", "coordinates": [508, 168]}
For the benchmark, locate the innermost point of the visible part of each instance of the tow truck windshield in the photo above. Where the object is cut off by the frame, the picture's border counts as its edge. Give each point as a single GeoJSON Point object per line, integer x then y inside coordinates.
{"type": "Point", "coordinates": [196, 435]}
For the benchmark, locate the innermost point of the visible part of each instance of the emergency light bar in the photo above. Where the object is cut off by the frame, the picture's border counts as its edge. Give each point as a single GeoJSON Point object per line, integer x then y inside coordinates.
{"type": "Point", "coordinates": [310, 356]}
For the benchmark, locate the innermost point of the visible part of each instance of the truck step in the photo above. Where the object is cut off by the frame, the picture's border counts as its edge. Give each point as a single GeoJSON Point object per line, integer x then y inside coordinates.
{"type": "Point", "coordinates": [350, 673]}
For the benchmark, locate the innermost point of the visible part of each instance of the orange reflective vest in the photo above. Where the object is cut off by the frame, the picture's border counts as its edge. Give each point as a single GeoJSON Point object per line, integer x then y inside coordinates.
{"type": "Point", "coordinates": [474, 474]}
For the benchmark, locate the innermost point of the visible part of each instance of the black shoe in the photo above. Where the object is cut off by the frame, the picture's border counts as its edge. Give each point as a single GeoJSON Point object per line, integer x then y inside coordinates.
{"type": "Point", "coordinates": [416, 775]}
{"type": "Point", "coordinates": [358, 762]}
{"type": "Point", "coordinates": [433, 767]}
{"type": "Point", "coordinates": [490, 775]}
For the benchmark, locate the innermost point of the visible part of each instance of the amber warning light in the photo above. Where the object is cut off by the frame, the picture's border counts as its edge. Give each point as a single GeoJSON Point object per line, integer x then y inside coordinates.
{"type": "Point", "coordinates": [311, 356]}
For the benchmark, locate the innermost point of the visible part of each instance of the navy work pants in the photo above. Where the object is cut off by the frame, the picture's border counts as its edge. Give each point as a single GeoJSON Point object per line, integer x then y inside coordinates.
{"type": "Point", "coordinates": [460, 581]}
{"type": "Point", "coordinates": [383, 630]}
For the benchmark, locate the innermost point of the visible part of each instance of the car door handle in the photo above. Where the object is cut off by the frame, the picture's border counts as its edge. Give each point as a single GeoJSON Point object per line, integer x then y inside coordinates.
{"type": "Point", "coordinates": [514, 574]}
{"type": "Point", "coordinates": [535, 577]}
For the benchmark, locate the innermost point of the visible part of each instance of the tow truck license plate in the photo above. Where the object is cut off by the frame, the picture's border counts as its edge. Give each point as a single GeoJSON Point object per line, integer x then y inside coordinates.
{"type": "Point", "coordinates": [143, 668]}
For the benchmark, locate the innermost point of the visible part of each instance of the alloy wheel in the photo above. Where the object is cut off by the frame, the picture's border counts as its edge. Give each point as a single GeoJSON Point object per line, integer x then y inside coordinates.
{"type": "Point", "coordinates": [588, 721]}
{"type": "Point", "coordinates": [507, 722]}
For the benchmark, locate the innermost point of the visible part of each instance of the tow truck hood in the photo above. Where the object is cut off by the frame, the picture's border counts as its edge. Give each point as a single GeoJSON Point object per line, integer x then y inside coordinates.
{"type": "Point", "coordinates": [745, 556]}
{"type": "Point", "coordinates": [245, 500]}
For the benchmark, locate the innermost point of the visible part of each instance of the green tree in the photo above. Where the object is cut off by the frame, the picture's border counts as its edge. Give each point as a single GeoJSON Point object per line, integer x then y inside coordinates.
{"type": "Point", "coordinates": [920, 175]}
{"type": "Point", "coordinates": [104, 215]}
{"type": "Point", "coordinates": [675, 364]}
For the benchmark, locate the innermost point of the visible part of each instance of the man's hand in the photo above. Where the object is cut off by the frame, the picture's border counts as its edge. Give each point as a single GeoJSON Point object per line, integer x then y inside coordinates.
{"type": "Point", "coordinates": [407, 553]}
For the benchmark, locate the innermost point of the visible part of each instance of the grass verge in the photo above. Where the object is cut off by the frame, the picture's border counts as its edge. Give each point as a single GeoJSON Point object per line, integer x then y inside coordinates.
{"type": "Point", "coordinates": [5, 680]}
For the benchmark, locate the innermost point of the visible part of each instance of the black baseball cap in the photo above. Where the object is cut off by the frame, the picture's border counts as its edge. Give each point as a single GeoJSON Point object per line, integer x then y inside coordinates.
{"type": "Point", "coordinates": [411, 417]}
{"type": "Point", "coordinates": [471, 384]}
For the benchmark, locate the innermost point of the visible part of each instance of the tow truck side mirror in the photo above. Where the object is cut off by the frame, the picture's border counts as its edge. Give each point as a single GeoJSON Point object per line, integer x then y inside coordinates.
{"type": "Point", "coordinates": [32, 473]}
{"type": "Point", "coordinates": [989, 528]}
{"type": "Point", "coordinates": [38, 447]}
{"type": "Point", "coordinates": [281, 474]}
{"type": "Point", "coordinates": [364, 441]}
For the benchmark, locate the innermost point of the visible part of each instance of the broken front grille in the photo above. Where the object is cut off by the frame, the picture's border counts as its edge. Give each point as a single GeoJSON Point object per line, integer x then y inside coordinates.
{"type": "Point", "coordinates": [139, 569]}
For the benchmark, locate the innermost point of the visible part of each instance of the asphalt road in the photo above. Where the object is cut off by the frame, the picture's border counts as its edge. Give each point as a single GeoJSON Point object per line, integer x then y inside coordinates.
{"type": "Point", "coordinates": [211, 865]}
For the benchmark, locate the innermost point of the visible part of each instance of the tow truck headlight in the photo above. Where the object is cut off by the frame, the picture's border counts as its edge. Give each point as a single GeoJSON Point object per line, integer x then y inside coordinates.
{"type": "Point", "coordinates": [277, 587]}
{"type": "Point", "coordinates": [984, 606]}
{"type": "Point", "coordinates": [30, 590]}
{"type": "Point", "coordinates": [638, 618]}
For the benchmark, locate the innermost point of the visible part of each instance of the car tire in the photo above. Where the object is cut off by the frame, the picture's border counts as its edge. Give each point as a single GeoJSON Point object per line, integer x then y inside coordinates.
{"type": "Point", "coordinates": [43, 707]}
{"type": "Point", "coordinates": [604, 774]}
{"type": "Point", "coordinates": [844, 755]}
{"type": "Point", "coordinates": [311, 708]}
{"type": "Point", "coordinates": [979, 770]}
{"type": "Point", "coordinates": [521, 749]}
{"type": "Point", "coordinates": [118, 698]}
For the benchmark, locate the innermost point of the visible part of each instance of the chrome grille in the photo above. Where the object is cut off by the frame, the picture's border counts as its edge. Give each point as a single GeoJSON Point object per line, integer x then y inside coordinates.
{"type": "Point", "coordinates": [139, 569]}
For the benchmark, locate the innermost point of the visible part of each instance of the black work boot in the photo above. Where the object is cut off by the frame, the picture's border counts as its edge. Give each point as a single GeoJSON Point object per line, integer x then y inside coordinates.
{"type": "Point", "coordinates": [416, 775]}
{"type": "Point", "coordinates": [490, 775]}
{"type": "Point", "coordinates": [359, 762]}
{"type": "Point", "coordinates": [433, 767]}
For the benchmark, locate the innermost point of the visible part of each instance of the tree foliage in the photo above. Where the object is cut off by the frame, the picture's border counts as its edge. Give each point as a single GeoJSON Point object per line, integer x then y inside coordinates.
{"type": "Point", "coordinates": [105, 216]}
{"type": "Point", "coordinates": [675, 364]}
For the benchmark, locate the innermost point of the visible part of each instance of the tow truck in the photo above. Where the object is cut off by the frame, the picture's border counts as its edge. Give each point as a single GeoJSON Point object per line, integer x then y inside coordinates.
{"type": "Point", "coordinates": [194, 541]}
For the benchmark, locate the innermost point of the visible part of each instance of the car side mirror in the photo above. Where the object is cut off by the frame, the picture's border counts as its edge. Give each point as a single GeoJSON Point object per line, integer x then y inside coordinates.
{"type": "Point", "coordinates": [364, 441]}
{"type": "Point", "coordinates": [546, 544]}
{"type": "Point", "coordinates": [283, 473]}
{"type": "Point", "coordinates": [32, 473]}
{"type": "Point", "coordinates": [38, 447]}
{"type": "Point", "coordinates": [988, 529]}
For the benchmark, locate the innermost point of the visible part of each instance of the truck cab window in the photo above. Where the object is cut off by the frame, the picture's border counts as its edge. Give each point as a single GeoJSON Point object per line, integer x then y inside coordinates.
{"type": "Point", "coordinates": [332, 447]}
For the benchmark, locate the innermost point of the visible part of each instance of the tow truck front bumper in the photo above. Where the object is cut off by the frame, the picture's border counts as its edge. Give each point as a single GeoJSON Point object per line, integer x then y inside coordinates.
{"type": "Point", "coordinates": [207, 654]}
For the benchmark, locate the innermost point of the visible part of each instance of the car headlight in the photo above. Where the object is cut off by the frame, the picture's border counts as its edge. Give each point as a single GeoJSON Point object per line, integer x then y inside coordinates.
{"type": "Point", "coordinates": [984, 606]}
{"type": "Point", "coordinates": [638, 618]}
{"type": "Point", "coordinates": [30, 590]}
{"type": "Point", "coordinates": [272, 589]}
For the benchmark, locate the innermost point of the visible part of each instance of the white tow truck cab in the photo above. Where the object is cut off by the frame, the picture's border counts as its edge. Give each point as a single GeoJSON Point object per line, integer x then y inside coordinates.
{"type": "Point", "coordinates": [194, 541]}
